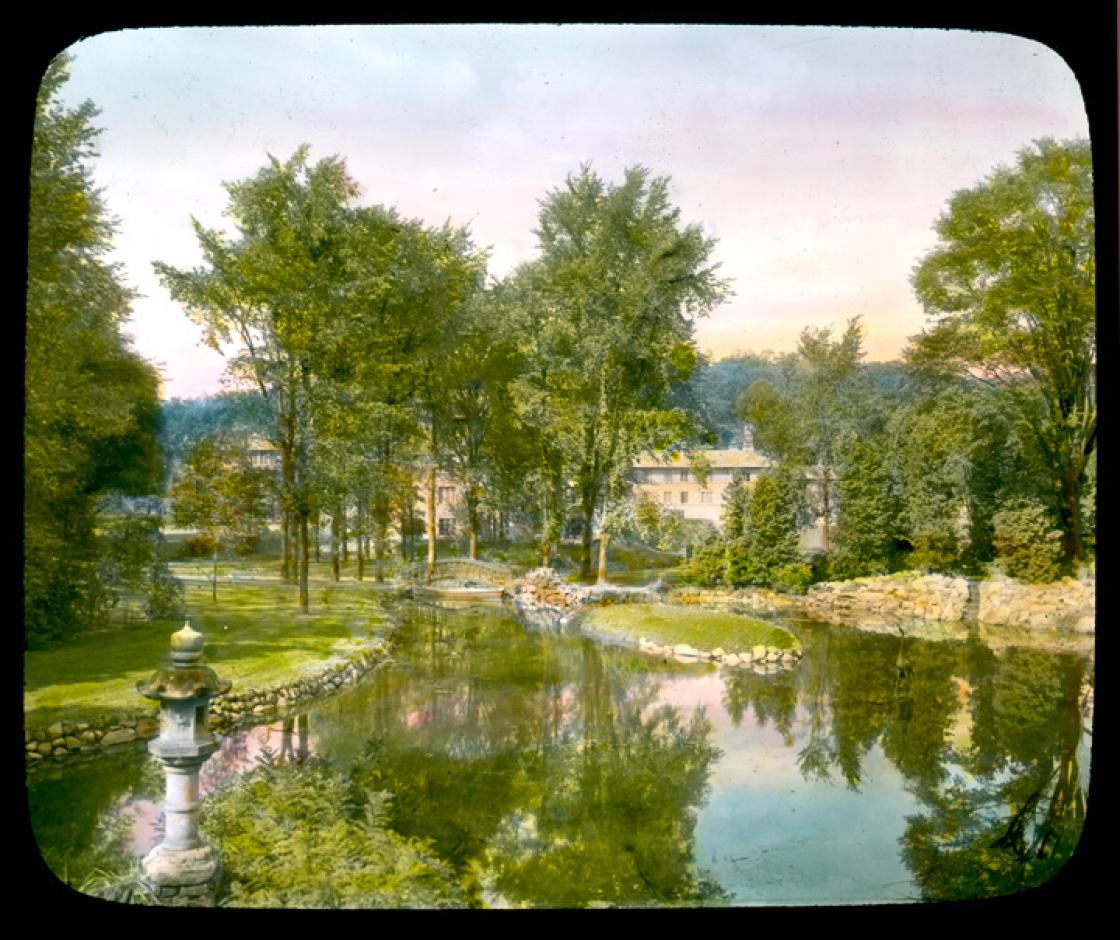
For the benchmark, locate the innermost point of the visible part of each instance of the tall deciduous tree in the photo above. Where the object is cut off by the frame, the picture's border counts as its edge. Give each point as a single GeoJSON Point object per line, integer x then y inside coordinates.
{"type": "Point", "coordinates": [626, 279]}
{"type": "Point", "coordinates": [91, 404]}
{"type": "Point", "coordinates": [819, 403]}
{"type": "Point", "coordinates": [272, 294]}
{"type": "Point", "coordinates": [1011, 289]}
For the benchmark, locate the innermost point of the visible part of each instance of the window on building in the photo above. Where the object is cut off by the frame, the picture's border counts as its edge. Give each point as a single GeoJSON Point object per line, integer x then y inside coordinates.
{"type": "Point", "coordinates": [444, 494]}
{"type": "Point", "coordinates": [682, 476]}
{"type": "Point", "coordinates": [666, 498]}
{"type": "Point", "coordinates": [705, 497]}
{"type": "Point", "coordinates": [684, 498]}
{"type": "Point", "coordinates": [445, 527]}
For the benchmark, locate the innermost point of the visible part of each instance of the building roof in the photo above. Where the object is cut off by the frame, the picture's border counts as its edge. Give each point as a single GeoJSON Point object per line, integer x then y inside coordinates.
{"type": "Point", "coordinates": [717, 458]}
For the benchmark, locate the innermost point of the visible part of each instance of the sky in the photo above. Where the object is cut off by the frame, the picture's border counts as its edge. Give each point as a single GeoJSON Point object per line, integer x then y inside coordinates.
{"type": "Point", "coordinates": [818, 157]}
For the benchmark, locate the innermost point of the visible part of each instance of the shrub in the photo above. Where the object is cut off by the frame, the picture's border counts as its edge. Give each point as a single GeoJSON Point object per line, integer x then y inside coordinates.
{"type": "Point", "coordinates": [1028, 545]}
{"type": "Point", "coordinates": [295, 836]}
{"type": "Point", "coordinates": [740, 567]}
{"type": "Point", "coordinates": [200, 546]}
{"type": "Point", "coordinates": [164, 599]}
{"type": "Point", "coordinates": [935, 550]}
{"type": "Point", "coordinates": [709, 563]}
{"type": "Point", "coordinates": [795, 577]}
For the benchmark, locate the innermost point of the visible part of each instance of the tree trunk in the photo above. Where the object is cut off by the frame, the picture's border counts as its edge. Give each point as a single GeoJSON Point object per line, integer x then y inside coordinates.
{"type": "Point", "coordinates": [826, 502]}
{"type": "Point", "coordinates": [1069, 512]}
{"type": "Point", "coordinates": [544, 552]}
{"type": "Point", "coordinates": [304, 605]}
{"type": "Point", "coordinates": [587, 505]}
{"type": "Point", "coordinates": [318, 530]}
{"type": "Point", "coordinates": [379, 549]}
{"type": "Point", "coordinates": [295, 549]}
{"type": "Point", "coordinates": [431, 524]}
{"type": "Point", "coordinates": [604, 538]}
{"type": "Point", "coordinates": [214, 579]}
{"type": "Point", "coordinates": [361, 538]}
{"type": "Point", "coordinates": [286, 545]}
{"type": "Point", "coordinates": [472, 525]}
{"type": "Point", "coordinates": [335, 527]}
{"type": "Point", "coordinates": [345, 536]}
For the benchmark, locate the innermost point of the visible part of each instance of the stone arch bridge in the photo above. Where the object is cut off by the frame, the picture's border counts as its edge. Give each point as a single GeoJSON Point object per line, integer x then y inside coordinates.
{"type": "Point", "coordinates": [459, 569]}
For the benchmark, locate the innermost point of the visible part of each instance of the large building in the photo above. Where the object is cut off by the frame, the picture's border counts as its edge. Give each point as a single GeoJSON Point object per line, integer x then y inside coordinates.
{"type": "Point", "coordinates": [673, 484]}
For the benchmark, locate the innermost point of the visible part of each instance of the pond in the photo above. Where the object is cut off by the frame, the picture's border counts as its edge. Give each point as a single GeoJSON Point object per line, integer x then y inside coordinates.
{"type": "Point", "coordinates": [568, 773]}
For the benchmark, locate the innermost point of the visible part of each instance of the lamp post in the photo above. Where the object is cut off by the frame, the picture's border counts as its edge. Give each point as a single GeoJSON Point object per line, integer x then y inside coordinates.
{"type": "Point", "coordinates": [183, 865]}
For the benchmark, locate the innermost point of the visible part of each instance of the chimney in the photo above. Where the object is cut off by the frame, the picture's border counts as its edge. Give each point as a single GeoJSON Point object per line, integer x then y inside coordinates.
{"type": "Point", "coordinates": [748, 437]}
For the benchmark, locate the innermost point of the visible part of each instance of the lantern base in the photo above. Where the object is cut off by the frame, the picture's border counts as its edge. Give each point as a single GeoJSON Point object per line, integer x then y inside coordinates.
{"type": "Point", "coordinates": [182, 876]}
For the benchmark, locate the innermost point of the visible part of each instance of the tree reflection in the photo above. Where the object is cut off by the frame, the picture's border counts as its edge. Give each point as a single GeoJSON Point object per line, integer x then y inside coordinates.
{"type": "Point", "coordinates": [543, 768]}
{"type": "Point", "coordinates": [989, 743]}
{"type": "Point", "coordinates": [1012, 814]}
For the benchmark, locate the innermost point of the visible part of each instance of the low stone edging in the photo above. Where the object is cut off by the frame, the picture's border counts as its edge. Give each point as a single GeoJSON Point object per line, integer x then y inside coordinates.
{"type": "Point", "coordinates": [64, 739]}
{"type": "Point", "coordinates": [767, 659]}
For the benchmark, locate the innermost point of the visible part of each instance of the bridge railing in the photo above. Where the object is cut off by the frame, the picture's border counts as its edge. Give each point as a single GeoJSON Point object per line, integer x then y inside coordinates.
{"type": "Point", "coordinates": [460, 568]}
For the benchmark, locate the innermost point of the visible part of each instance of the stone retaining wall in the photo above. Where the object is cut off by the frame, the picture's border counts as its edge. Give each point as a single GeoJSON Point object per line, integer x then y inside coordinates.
{"type": "Point", "coordinates": [65, 739]}
{"type": "Point", "coordinates": [923, 597]}
{"type": "Point", "coordinates": [1065, 605]}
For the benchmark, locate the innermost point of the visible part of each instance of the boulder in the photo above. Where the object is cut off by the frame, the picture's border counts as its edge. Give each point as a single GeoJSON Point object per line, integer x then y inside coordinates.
{"type": "Point", "coordinates": [118, 736]}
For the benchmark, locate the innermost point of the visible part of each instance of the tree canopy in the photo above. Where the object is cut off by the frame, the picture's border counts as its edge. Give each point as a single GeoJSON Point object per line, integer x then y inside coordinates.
{"type": "Point", "coordinates": [1010, 289]}
{"type": "Point", "coordinates": [616, 287]}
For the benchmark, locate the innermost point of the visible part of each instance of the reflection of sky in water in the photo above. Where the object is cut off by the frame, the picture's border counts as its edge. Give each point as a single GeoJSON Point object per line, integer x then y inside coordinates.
{"type": "Point", "coordinates": [769, 835]}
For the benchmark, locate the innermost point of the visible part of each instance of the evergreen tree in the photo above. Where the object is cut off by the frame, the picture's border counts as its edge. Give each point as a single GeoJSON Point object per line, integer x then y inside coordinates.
{"type": "Point", "coordinates": [868, 513]}
{"type": "Point", "coordinates": [92, 413]}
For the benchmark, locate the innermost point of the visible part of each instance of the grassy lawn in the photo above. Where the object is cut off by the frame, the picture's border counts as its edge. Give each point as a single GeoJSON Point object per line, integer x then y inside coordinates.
{"type": "Point", "coordinates": [254, 636]}
{"type": "Point", "coordinates": [702, 629]}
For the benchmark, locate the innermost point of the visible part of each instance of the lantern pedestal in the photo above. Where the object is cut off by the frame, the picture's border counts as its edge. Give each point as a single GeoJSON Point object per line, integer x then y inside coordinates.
{"type": "Point", "coordinates": [186, 876]}
{"type": "Point", "coordinates": [183, 869]}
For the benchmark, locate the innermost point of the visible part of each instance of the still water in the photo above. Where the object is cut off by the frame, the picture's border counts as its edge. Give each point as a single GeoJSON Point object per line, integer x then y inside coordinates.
{"type": "Point", "coordinates": [879, 769]}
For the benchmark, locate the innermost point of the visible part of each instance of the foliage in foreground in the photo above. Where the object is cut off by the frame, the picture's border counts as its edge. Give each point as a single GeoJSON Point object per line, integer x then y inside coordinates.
{"type": "Point", "coordinates": [294, 836]}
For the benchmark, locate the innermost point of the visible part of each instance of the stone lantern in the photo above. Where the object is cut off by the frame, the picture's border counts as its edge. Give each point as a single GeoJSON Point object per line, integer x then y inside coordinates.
{"type": "Point", "coordinates": [183, 864]}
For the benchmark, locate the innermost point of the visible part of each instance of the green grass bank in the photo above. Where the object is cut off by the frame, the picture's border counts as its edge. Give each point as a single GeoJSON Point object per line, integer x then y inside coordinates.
{"type": "Point", "coordinates": [668, 624]}
{"type": "Point", "coordinates": [255, 636]}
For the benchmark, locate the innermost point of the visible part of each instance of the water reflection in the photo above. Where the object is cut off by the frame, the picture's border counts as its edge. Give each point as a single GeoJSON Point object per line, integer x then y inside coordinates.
{"type": "Point", "coordinates": [548, 770]}
{"type": "Point", "coordinates": [554, 774]}
{"type": "Point", "coordinates": [988, 742]}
